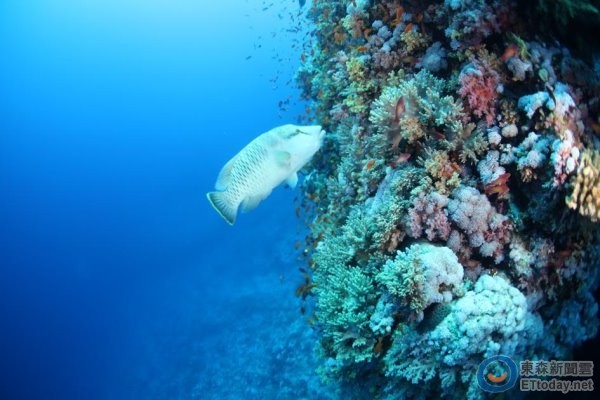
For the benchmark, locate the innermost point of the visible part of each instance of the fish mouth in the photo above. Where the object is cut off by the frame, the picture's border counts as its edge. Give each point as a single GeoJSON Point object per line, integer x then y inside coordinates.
{"type": "Point", "coordinates": [321, 133]}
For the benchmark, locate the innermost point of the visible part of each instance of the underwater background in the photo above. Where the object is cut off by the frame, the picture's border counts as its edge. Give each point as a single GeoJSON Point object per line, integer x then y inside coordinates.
{"type": "Point", "coordinates": [119, 281]}
{"type": "Point", "coordinates": [117, 278]}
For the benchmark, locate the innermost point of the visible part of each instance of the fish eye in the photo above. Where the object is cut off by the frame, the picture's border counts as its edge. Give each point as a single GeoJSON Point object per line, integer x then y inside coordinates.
{"type": "Point", "coordinates": [294, 133]}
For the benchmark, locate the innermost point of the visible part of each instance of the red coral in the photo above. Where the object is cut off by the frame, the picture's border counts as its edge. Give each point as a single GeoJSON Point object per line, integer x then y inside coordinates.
{"type": "Point", "coordinates": [479, 85]}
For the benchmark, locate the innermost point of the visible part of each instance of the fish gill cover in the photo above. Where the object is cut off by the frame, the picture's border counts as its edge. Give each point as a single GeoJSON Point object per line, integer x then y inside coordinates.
{"type": "Point", "coordinates": [457, 193]}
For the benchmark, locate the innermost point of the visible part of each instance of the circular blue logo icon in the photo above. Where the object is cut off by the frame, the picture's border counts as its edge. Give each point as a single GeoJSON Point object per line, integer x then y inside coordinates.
{"type": "Point", "coordinates": [497, 374]}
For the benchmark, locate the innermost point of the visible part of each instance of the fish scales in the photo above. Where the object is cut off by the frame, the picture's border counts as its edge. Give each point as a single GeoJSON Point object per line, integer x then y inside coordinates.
{"type": "Point", "coordinates": [270, 159]}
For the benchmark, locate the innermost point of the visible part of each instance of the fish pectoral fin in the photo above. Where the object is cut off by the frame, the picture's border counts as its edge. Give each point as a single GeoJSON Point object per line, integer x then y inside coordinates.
{"type": "Point", "coordinates": [251, 202]}
{"type": "Point", "coordinates": [223, 206]}
{"type": "Point", "coordinates": [283, 158]}
{"type": "Point", "coordinates": [292, 180]}
{"type": "Point", "coordinates": [224, 176]}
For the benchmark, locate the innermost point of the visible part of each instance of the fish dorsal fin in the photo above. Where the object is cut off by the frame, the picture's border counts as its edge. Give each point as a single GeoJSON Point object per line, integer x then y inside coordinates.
{"type": "Point", "coordinates": [283, 158]}
{"type": "Point", "coordinates": [251, 202]}
{"type": "Point", "coordinates": [292, 180]}
{"type": "Point", "coordinates": [224, 176]}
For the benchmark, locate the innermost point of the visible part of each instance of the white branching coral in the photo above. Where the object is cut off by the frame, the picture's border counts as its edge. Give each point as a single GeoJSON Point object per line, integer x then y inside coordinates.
{"type": "Point", "coordinates": [492, 318]}
{"type": "Point", "coordinates": [422, 275]}
{"type": "Point", "coordinates": [488, 320]}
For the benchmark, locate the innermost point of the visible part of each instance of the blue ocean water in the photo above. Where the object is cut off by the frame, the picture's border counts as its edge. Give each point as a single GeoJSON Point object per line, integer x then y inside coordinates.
{"type": "Point", "coordinates": [117, 279]}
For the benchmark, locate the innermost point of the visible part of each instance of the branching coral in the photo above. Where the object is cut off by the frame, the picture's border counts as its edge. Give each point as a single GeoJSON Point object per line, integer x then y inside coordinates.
{"type": "Point", "coordinates": [409, 109]}
{"type": "Point", "coordinates": [445, 173]}
{"type": "Point", "coordinates": [420, 276]}
{"type": "Point", "coordinates": [346, 301]}
{"type": "Point", "coordinates": [471, 143]}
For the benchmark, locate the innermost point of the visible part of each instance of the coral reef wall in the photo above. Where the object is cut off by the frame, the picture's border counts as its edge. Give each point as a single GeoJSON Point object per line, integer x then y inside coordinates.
{"type": "Point", "coordinates": [455, 203]}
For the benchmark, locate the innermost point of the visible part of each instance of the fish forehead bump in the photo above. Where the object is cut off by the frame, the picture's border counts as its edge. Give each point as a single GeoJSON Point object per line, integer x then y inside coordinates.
{"type": "Point", "coordinates": [287, 129]}
{"type": "Point", "coordinates": [310, 129]}
{"type": "Point", "coordinates": [313, 130]}
{"type": "Point", "coordinates": [310, 136]}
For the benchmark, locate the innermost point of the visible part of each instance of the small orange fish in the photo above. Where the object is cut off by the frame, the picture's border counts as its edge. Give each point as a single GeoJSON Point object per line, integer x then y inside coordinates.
{"type": "Point", "coordinates": [408, 27]}
{"type": "Point", "coordinates": [400, 109]}
{"type": "Point", "coordinates": [297, 245]}
{"type": "Point", "coordinates": [362, 48]}
{"type": "Point", "coordinates": [339, 38]}
{"type": "Point", "coordinates": [367, 32]}
{"type": "Point", "coordinates": [370, 164]}
{"type": "Point", "coordinates": [439, 135]}
{"type": "Point", "coordinates": [408, 60]}
{"type": "Point", "coordinates": [402, 158]}
{"type": "Point", "coordinates": [565, 253]}
{"type": "Point", "coordinates": [378, 346]}
{"type": "Point", "coordinates": [318, 239]}
{"type": "Point", "coordinates": [399, 14]}
{"type": "Point", "coordinates": [511, 51]}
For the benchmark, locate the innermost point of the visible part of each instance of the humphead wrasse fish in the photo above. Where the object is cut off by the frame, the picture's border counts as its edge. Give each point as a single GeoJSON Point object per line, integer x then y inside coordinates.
{"type": "Point", "coordinates": [270, 159]}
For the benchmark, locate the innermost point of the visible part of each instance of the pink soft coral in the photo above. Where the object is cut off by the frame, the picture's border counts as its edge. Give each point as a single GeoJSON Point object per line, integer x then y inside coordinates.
{"type": "Point", "coordinates": [479, 84]}
{"type": "Point", "coordinates": [428, 214]}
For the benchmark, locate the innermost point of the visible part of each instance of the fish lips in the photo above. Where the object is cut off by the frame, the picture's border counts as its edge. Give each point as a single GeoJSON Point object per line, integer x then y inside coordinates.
{"type": "Point", "coordinates": [320, 132]}
{"type": "Point", "coordinates": [315, 130]}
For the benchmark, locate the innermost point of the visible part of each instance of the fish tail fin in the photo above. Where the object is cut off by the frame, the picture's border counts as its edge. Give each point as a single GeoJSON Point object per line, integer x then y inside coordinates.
{"type": "Point", "coordinates": [223, 205]}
